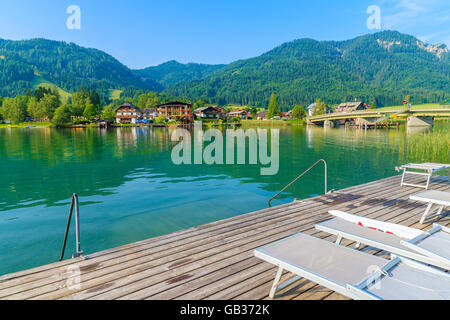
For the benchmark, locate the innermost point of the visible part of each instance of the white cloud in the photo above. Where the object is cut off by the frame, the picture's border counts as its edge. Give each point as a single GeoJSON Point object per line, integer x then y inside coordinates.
{"type": "Point", "coordinates": [429, 17]}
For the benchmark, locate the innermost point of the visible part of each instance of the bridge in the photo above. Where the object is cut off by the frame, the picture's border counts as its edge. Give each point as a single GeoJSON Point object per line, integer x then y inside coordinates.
{"type": "Point", "coordinates": [416, 117]}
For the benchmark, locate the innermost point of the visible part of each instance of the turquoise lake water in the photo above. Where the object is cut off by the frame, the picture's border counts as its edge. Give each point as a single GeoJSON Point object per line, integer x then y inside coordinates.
{"type": "Point", "coordinates": [130, 189]}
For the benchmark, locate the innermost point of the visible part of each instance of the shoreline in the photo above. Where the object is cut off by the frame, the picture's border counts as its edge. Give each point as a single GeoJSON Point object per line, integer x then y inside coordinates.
{"type": "Point", "coordinates": [259, 123]}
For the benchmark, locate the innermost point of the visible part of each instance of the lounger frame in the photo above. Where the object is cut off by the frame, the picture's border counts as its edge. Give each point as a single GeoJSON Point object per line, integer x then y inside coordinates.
{"type": "Point", "coordinates": [411, 238]}
{"type": "Point", "coordinates": [359, 291]}
{"type": "Point", "coordinates": [356, 292]}
{"type": "Point", "coordinates": [428, 212]}
{"type": "Point", "coordinates": [428, 168]}
{"type": "Point", "coordinates": [441, 261]}
{"type": "Point", "coordinates": [300, 273]}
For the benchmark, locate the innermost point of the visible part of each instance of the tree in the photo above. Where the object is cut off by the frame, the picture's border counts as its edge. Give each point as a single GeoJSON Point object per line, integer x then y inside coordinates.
{"type": "Point", "coordinates": [298, 112]}
{"type": "Point", "coordinates": [109, 113]}
{"type": "Point", "coordinates": [35, 110]}
{"type": "Point", "coordinates": [200, 103]}
{"type": "Point", "coordinates": [94, 98]}
{"type": "Point", "coordinates": [90, 111]}
{"type": "Point", "coordinates": [14, 109]}
{"type": "Point", "coordinates": [160, 119]}
{"type": "Point", "coordinates": [48, 105]}
{"type": "Point", "coordinates": [320, 107]}
{"type": "Point", "coordinates": [80, 100]}
{"type": "Point", "coordinates": [274, 110]}
{"type": "Point", "coordinates": [236, 119]}
{"type": "Point", "coordinates": [149, 100]}
{"type": "Point", "coordinates": [62, 116]}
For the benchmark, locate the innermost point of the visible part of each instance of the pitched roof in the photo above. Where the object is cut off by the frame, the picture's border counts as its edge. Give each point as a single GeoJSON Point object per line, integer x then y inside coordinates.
{"type": "Point", "coordinates": [237, 111]}
{"type": "Point", "coordinates": [129, 105]}
{"type": "Point", "coordinates": [173, 103]}
{"type": "Point", "coordinates": [149, 110]}
{"type": "Point", "coordinates": [350, 104]}
{"type": "Point", "coordinates": [201, 109]}
{"type": "Point", "coordinates": [311, 106]}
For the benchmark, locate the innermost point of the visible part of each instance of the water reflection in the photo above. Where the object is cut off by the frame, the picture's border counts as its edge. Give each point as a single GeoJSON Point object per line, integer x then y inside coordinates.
{"type": "Point", "coordinates": [130, 189]}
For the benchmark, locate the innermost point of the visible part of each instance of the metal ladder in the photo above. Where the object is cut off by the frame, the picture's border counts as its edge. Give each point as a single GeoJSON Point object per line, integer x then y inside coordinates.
{"type": "Point", "coordinates": [296, 179]}
{"type": "Point", "coordinates": [78, 252]}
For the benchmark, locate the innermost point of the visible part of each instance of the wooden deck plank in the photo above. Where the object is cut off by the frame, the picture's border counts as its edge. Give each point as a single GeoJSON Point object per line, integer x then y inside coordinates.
{"type": "Point", "coordinates": [215, 261]}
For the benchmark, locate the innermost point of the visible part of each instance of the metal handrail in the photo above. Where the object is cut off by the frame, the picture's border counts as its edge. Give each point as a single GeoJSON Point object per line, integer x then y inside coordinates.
{"type": "Point", "coordinates": [295, 180]}
{"type": "Point", "coordinates": [78, 252]}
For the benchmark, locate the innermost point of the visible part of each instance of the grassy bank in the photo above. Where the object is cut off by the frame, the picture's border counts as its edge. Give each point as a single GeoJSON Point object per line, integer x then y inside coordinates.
{"type": "Point", "coordinates": [27, 125]}
{"type": "Point", "coordinates": [415, 107]}
{"type": "Point", "coordinates": [435, 145]}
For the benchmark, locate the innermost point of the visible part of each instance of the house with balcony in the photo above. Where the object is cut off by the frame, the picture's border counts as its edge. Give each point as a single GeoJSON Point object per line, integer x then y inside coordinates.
{"type": "Point", "coordinates": [176, 111]}
{"type": "Point", "coordinates": [127, 114]}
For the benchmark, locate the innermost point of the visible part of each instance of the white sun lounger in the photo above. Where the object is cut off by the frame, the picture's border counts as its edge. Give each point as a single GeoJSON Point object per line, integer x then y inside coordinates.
{"type": "Point", "coordinates": [432, 197]}
{"type": "Point", "coordinates": [427, 169]}
{"type": "Point", "coordinates": [431, 247]}
{"type": "Point", "coordinates": [353, 273]}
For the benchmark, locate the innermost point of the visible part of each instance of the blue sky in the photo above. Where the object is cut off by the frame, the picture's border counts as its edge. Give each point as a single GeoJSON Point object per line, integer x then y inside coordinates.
{"type": "Point", "coordinates": [142, 33]}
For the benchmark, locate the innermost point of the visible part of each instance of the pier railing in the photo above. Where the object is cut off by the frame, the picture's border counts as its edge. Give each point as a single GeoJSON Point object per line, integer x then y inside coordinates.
{"type": "Point", "coordinates": [78, 252]}
{"type": "Point", "coordinates": [301, 175]}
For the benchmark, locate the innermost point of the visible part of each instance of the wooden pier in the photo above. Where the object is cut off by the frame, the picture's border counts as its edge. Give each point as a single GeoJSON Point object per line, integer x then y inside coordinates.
{"type": "Point", "coordinates": [215, 261]}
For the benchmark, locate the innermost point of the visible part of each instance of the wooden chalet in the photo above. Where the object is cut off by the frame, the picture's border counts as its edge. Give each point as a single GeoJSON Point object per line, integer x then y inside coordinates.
{"type": "Point", "coordinates": [244, 115]}
{"type": "Point", "coordinates": [209, 112]}
{"type": "Point", "coordinates": [350, 106]}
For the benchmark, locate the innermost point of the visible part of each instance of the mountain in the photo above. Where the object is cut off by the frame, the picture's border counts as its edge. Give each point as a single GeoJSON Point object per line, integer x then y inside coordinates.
{"type": "Point", "coordinates": [380, 68]}
{"type": "Point", "coordinates": [26, 64]}
{"type": "Point", "coordinates": [172, 72]}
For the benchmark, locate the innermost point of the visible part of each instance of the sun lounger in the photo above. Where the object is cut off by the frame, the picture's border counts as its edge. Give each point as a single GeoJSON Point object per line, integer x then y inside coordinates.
{"type": "Point", "coordinates": [432, 197]}
{"type": "Point", "coordinates": [432, 247]}
{"type": "Point", "coordinates": [353, 273]}
{"type": "Point", "coordinates": [427, 169]}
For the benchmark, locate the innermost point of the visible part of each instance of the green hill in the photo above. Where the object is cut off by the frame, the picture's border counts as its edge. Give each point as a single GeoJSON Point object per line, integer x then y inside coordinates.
{"type": "Point", "coordinates": [173, 72]}
{"type": "Point", "coordinates": [65, 65]}
{"type": "Point", "coordinates": [379, 68]}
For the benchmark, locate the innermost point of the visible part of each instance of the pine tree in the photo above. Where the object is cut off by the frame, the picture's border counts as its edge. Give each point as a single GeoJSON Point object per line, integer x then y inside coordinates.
{"type": "Point", "coordinates": [274, 110]}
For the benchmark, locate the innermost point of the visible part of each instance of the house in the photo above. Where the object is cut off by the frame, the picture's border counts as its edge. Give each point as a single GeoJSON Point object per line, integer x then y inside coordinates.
{"type": "Point", "coordinates": [244, 115]}
{"type": "Point", "coordinates": [175, 110]}
{"type": "Point", "coordinates": [350, 106]}
{"type": "Point", "coordinates": [311, 109]}
{"type": "Point", "coordinates": [149, 114]}
{"type": "Point", "coordinates": [209, 112]}
{"type": "Point", "coordinates": [286, 115]}
{"type": "Point", "coordinates": [262, 115]}
{"type": "Point", "coordinates": [127, 113]}
{"type": "Point", "coordinates": [104, 123]}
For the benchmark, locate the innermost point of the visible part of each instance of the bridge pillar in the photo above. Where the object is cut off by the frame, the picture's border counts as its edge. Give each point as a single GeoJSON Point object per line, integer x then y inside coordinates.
{"type": "Point", "coordinates": [420, 121]}
{"type": "Point", "coordinates": [332, 123]}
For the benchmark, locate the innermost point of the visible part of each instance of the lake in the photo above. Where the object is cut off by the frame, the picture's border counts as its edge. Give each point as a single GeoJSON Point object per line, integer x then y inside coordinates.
{"type": "Point", "coordinates": [130, 189]}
